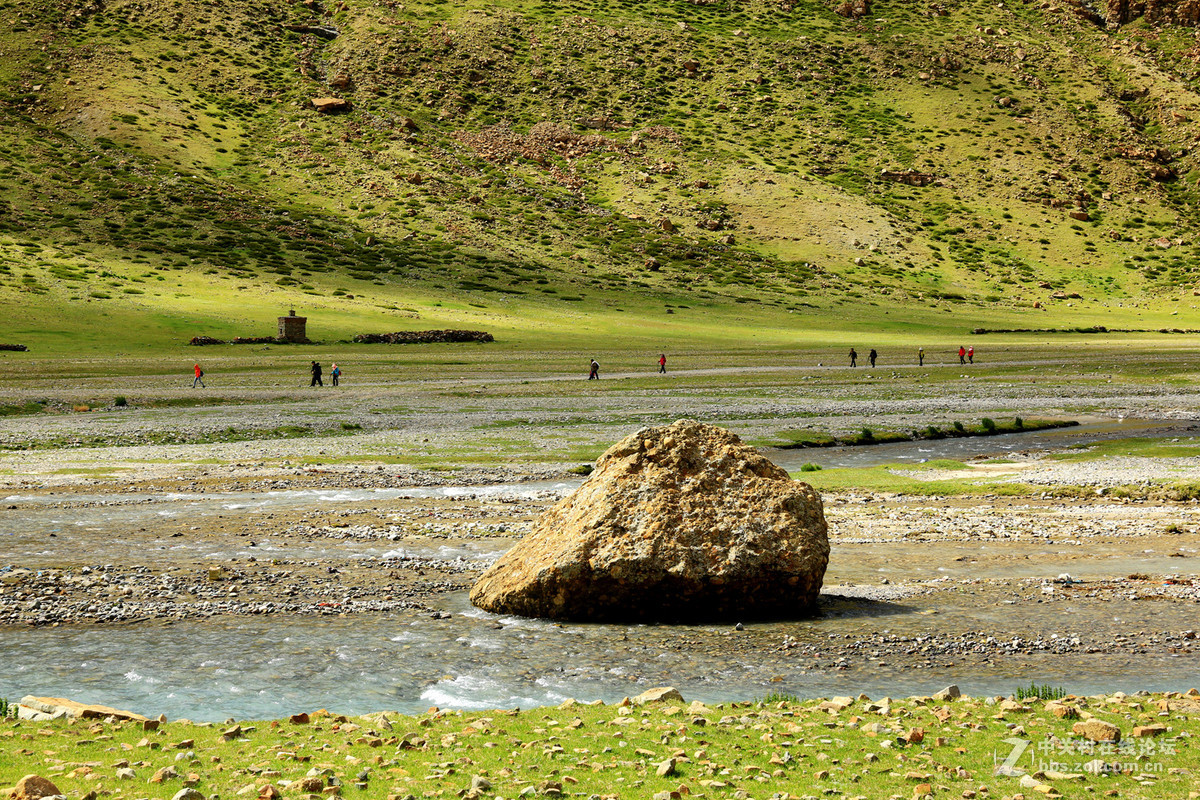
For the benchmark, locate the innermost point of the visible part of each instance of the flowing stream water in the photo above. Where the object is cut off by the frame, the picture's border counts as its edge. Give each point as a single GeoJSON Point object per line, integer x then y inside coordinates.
{"type": "Point", "coordinates": [254, 668]}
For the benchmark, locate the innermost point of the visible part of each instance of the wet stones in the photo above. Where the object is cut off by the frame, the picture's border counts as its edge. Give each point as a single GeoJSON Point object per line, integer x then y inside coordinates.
{"type": "Point", "coordinates": [951, 692]}
{"type": "Point", "coordinates": [682, 522]}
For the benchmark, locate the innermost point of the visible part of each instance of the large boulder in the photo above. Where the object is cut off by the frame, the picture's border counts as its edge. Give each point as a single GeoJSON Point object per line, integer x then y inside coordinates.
{"type": "Point", "coordinates": [676, 523]}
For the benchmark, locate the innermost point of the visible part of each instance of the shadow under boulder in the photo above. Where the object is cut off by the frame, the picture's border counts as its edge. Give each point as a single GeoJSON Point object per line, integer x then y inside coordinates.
{"type": "Point", "coordinates": [680, 523]}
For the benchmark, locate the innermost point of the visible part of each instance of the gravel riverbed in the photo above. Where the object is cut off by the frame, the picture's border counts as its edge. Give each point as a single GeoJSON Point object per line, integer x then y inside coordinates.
{"type": "Point", "coordinates": [914, 582]}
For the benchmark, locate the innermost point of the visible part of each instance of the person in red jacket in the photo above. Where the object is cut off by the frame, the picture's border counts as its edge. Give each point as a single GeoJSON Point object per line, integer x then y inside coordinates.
{"type": "Point", "coordinates": [199, 374]}
{"type": "Point", "coordinates": [962, 355]}
{"type": "Point", "coordinates": [662, 362]}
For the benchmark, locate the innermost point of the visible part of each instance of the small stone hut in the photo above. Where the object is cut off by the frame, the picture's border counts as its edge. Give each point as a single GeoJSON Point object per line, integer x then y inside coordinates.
{"type": "Point", "coordinates": [291, 327]}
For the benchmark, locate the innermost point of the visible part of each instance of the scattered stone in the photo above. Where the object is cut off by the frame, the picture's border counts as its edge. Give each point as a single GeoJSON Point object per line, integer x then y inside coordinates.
{"type": "Point", "coordinates": [330, 105]}
{"type": "Point", "coordinates": [951, 692]}
{"type": "Point", "coordinates": [71, 708]}
{"type": "Point", "coordinates": [1097, 730]}
{"type": "Point", "coordinates": [313, 784]}
{"type": "Point", "coordinates": [1062, 711]}
{"type": "Point", "coordinates": [1143, 731]}
{"type": "Point", "coordinates": [34, 787]}
{"type": "Point", "coordinates": [165, 774]}
{"type": "Point", "coordinates": [853, 9]}
{"type": "Point", "coordinates": [659, 694]}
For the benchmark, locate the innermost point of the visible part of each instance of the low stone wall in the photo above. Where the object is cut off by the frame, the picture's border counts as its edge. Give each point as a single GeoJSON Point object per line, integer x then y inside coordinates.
{"type": "Point", "coordinates": [423, 337]}
{"type": "Point", "coordinates": [201, 341]}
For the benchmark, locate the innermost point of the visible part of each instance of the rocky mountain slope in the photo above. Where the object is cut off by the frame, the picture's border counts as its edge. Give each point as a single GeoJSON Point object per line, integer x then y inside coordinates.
{"type": "Point", "coordinates": [356, 154]}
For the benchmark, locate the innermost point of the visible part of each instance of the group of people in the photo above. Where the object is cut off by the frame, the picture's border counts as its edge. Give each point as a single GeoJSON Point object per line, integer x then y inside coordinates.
{"type": "Point", "coordinates": [965, 355]}
{"type": "Point", "coordinates": [335, 373]}
{"type": "Point", "coordinates": [871, 356]}
{"type": "Point", "coordinates": [594, 367]}
{"type": "Point", "coordinates": [315, 370]}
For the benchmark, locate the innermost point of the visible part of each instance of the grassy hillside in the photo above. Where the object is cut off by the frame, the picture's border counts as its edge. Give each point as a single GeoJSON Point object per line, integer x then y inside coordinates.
{"type": "Point", "coordinates": [519, 164]}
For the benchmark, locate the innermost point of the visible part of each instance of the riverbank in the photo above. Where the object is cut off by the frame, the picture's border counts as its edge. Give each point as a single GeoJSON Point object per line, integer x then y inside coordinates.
{"type": "Point", "coordinates": [1123, 745]}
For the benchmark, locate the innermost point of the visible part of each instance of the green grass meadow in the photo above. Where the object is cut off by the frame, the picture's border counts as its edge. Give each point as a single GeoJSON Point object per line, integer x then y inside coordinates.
{"type": "Point", "coordinates": [784, 748]}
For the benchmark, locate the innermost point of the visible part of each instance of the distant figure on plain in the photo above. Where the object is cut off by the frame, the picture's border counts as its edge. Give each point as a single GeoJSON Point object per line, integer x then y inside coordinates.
{"type": "Point", "coordinates": [853, 358]}
{"type": "Point", "coordinates": [594, 371]}
{"type": "Point", "coordinates": [316, 375]}
{"type": "Point", "coordinates": [662, 362]}
{"type": "Point", "coordinates": [199, 375]}
{"type": "Point", "coordinates": [871, 356]}
{"type": "Point", "coordinates": [962, 355]}
{"type": "Point", "coordinates": [971, 354]}
{"type": "Point", "coordinates": [920, 356]}
{"type": "Point", "coordinates": [335, 372]}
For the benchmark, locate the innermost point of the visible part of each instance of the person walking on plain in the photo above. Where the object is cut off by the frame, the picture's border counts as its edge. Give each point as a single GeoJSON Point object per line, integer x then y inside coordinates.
{"type": "Point", "coordinates": [335, 372]}
{"type": "Point", "coordinates": [962, 355]}
{"type": "Point", "coordinates": [316, 375]}
{"type": "Point", "coordinates": [199, 377]}
{"type": "Point", "coordinates": [920, 356]}
{"type": "Point", "coordinates": [662, 362]}
{"type": "Point", "coordinates": [871, 356]}
{"type": "Point", "coordinates": [971, 354]}
{"type": "Point", "coordinates": [853, 357]}
{"type": "Point", "coordinates": [594, 371]}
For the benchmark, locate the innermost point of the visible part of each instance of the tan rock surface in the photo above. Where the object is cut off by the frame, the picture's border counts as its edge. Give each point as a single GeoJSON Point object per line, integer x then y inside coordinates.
{"type": "Point", "coordinates": [34, 787]}
{"type": "Point", "coordinates": [1097, 730]}
{"type": "Point", "coordinates": [55, 705]}
{"type": "Point", "coordinates": [681, 522]}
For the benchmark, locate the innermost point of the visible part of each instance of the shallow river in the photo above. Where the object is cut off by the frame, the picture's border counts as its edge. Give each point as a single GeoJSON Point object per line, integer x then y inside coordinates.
{"type": "Point", "coordinates": [258, 668]}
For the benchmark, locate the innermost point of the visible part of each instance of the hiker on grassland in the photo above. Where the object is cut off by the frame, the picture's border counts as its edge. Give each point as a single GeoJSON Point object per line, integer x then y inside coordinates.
{"type": "Point", "coordinates": [199, 375]}
{"type": "Point", "coordinates": [594, 371]}
{"type": "Point", "coordinates": [853, 357]}
{"type": "Point", "coordinates": [315, 369]}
